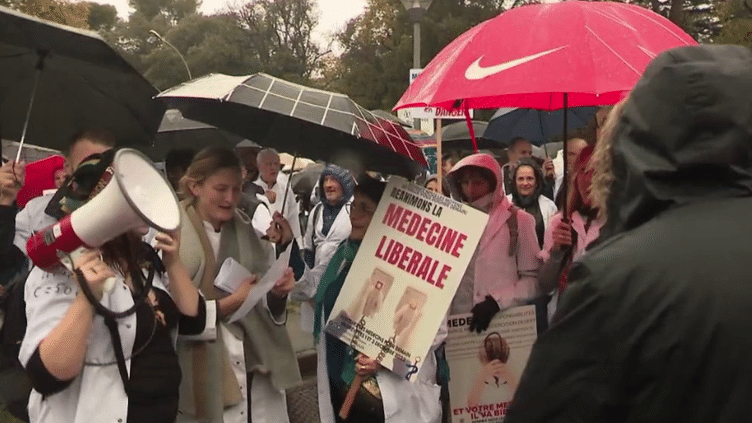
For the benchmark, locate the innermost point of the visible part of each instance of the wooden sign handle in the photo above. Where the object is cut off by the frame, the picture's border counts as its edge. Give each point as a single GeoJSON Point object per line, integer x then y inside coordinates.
{"type": "Point", "coordinates": [352, 393]}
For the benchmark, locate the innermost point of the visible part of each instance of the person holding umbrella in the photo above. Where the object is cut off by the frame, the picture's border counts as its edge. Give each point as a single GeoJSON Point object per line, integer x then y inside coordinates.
{"type": "Point", "coordinates": [276, 192]}
{"type": "Point", "coordinates": [566, 240]}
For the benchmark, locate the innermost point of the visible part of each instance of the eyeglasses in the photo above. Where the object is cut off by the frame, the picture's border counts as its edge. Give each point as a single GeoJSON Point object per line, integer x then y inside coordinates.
{"type": "Point", "coordinates": [361, 208]}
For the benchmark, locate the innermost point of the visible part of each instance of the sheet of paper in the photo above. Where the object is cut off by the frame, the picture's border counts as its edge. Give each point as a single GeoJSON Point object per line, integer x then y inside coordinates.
{"type": "Point", "coordinates": [230, 275]}
{"type": "Point", "coordinates": [263, 286]}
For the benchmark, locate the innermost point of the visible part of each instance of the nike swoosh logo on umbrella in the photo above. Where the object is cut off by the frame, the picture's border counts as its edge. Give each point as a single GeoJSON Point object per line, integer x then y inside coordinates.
{"type": "Point", "coordinates": [475, 71]}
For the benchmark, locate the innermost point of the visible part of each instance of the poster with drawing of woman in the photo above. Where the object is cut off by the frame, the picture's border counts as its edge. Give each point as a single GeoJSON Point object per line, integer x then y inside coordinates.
{"type": "Point", "coordinates": [486, 368]}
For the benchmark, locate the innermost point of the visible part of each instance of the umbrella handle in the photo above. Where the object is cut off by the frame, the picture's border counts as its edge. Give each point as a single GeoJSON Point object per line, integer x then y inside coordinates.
{"type": "Point", "coordinates": [565, 182]}
{"type": "Point", "coordinates": [287, 188]}
{"type": "Point", "coordinates": [37, 73]}
{"type": "Point", "coordinates": [289, 180]}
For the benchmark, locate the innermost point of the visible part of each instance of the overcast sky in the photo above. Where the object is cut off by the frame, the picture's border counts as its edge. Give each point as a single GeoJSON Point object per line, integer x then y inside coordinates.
{"type": "Point", "coordinates": [333, 14]}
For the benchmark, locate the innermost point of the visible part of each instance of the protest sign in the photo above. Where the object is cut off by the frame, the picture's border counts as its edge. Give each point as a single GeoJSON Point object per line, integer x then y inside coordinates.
{"type": "Point", "coordinates": [405, 275]}
{"type": "Point", "coordinates": [486, 368]}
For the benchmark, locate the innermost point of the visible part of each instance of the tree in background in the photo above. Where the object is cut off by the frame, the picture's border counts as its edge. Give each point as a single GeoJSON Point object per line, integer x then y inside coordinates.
{"type": "Point", "coordinates": [373, 69]}
{"type": "Point", "coordinates": [102, 17]}
{"type": "Point", "coordinates": [279, 32]}
{"type": "Point", "coordinates": [696, 17]}
{"type": "Point", "coordinates": [735, 18]}
{"type": "Point", "coordinates": [59, 11]}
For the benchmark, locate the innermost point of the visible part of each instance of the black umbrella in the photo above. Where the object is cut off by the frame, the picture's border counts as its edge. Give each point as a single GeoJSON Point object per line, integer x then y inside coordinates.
{"type": "Point", "coordinates": [390, 117]}
{"type": "Point", "coordinates": [305, 179]}
{"type": "Point", "coordinates": [177, 132]}
{"type": "Point", "coordinates": [537, 126]}
{"type": "Point", "coordinates": [313, 123]}
{"type": "Point", "coordinates": [456, 136]}
{"type": "Point", "coordinates": [56, 80]}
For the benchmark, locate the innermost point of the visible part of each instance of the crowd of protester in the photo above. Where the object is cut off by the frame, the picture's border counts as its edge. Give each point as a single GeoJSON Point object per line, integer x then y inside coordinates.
{"type": "Point", "coordinates": [607, 252]}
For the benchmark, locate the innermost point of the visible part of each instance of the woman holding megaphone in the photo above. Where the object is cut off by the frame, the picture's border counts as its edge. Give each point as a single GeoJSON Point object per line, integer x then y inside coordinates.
{"type": "Point", "coordinates": [120, 364]}
{"type": "Point", "coordinates": [239, 372]}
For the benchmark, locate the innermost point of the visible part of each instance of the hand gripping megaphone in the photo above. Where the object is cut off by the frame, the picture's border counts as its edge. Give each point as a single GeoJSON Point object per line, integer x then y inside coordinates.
{"type": "Point", "coordinates": [138, 196]}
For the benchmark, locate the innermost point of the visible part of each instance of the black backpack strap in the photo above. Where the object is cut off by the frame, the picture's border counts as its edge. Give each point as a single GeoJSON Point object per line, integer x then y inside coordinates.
{"type": "Point", "coordinates": [309, 256]}
{"type": "Point", "coordinates": [514, 231]}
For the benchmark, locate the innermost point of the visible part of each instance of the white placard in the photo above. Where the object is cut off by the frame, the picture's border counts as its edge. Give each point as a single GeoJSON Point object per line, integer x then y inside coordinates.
{"type": "Point", "coordinates": [263, 286]}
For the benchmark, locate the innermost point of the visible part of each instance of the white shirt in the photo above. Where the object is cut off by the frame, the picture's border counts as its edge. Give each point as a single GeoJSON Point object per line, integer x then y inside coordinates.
{"type": "Point", "coordinates": [291, 212]}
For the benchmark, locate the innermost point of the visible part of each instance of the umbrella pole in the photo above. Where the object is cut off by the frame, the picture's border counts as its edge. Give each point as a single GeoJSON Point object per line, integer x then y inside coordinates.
{"type": "Point", "coordinates": [37, 74]}
{"type": "Point", "coordinates": [439, 157]}
{"type": "Point", "coordinates": [289, 180]}
{"type": "Point", "coordinates": [545, 141]}
{"type": "Point", "coordinates": [565, 182]}
{"type": "Point", "coordinates": [470, 126]}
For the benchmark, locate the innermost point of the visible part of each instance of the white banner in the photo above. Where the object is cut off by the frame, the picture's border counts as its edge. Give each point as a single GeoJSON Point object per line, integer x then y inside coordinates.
{"type": "Point", "coordinates": [405, 275]}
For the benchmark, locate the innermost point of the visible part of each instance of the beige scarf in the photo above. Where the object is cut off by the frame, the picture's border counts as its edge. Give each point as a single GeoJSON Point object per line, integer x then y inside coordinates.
{"type": "Point", "coordinates": [266, 343]}
{"type": "Point", "coordinates": [231, 393]}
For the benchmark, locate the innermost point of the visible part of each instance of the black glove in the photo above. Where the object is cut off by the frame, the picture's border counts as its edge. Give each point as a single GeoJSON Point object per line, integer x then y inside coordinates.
{"type": "Point", "coordinates": [483, 313]}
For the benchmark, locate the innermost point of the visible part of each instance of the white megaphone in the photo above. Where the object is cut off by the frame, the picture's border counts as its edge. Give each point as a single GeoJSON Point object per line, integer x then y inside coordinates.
{"type": "Point", "coordinates": [137, 195]}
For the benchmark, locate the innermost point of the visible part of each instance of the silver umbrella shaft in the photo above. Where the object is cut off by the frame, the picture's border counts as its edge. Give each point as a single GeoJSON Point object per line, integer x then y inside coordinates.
{"type": "Point", "coordinates": [37, 74]}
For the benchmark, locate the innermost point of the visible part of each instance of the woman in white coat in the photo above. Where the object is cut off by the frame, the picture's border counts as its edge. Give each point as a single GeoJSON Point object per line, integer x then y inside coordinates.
{"type": "Point", "coordinates": [90, 366]}
{"type": "Point", "coordinates": [238, 372]}
{"type": "Point", "coordinates": [502, 273]}
{"type": "Point", "coordinates": [384, 397]}
{"type": "Point", "coordinates": [526, 193]}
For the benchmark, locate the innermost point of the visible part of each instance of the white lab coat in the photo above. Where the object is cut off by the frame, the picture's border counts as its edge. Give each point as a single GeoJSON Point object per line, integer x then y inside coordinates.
{"type": "Point", "coordinates": [404, 401]}
{"type": "Point", "coordinates": [32, 218]}
{"type": "Point", "coordinates": [324, 247]}
{"type": "Point", "coordinates": [547, 207]}
{"type": "Point", "coordinates": [97, 393]}
{"type": "Point", "coordinates": [291, 211]}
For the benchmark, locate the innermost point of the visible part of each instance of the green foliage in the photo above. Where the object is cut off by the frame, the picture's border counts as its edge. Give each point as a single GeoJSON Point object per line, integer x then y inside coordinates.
{"type": "Point", "coordinates": [172, 10]}
{"type": "Point", "coordinates": [378, 46]}
{"type": "Point", "coordinates": [59, 11]}
{"type": "Point", "coordinates": [735, 17]}
{"type": "Point", "coordinates": [272, 36]}
{"type": "Point", "coordinates": [102, 17]}
{"type": "Point", "coordinates": [208, 43]}
{"type": "Point", "coordinates": [279, 32]}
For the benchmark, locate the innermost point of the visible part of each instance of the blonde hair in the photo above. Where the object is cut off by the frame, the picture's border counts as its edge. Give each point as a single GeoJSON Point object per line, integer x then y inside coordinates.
{"type": "Point", "coordinates": [602, 161]}
{"type": "Point", "coordinates": [206, 163]}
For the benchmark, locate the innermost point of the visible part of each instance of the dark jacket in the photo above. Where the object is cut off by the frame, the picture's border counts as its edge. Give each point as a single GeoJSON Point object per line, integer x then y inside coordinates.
{"type": "Point", "coordinates": [656, 323]}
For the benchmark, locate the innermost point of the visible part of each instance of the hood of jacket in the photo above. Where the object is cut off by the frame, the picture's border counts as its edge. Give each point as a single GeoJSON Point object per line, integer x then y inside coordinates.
{"type": "Point", "coordinates": [342, 176]}
{"type": "Point", "coordinates": [483, 161]}
{"type": "Point", "coordinates": [684, 135]}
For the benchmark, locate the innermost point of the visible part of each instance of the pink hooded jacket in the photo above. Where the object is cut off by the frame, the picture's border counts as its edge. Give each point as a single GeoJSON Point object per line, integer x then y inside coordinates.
{"type": "Point", "coordinates": [510, 280]}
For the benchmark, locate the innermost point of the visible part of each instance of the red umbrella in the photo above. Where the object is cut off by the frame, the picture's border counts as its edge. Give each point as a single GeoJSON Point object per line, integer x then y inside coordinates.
{"type": "Point", "coordinates": [530, 56]}
{"type": "Point", "coordinates": [546, 56]}
{"type": "Point", "coordinates": [40, 176]}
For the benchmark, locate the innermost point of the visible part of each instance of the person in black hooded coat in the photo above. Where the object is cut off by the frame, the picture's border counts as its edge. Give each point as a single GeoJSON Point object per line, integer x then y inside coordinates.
{"type": "Point", "coordinates": [655, 325]}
